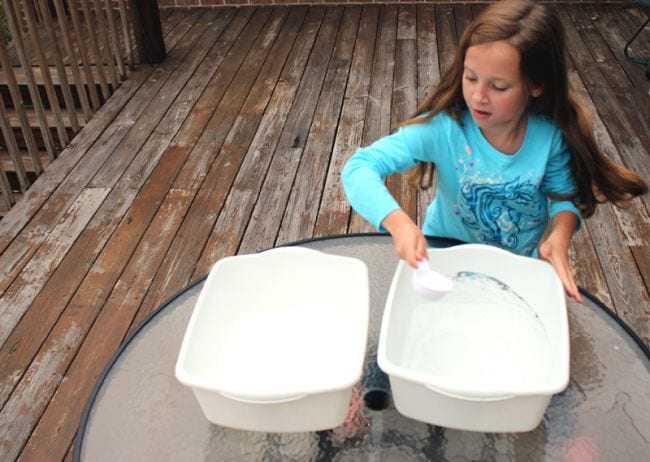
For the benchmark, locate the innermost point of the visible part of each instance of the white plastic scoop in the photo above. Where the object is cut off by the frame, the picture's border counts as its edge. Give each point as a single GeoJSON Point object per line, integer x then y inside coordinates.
{"type": "Point", "coordinates": [430, 283]}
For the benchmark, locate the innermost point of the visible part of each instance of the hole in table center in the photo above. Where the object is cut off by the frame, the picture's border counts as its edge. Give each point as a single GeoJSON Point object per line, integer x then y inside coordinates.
{"type": "Point", "coordinates": [376, 399]}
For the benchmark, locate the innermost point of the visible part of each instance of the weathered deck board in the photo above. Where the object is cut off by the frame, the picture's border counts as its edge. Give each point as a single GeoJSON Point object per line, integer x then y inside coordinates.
{"type": "Point", "coordinates": [81, 176]}
{"type": "Point", "coordinates": [378, 109]}
{"type": "Point", "coordinates": [65, 280]}
{"type": "Point", "coordinates": [104, 273]}
{"type": "Point", "coordinates": [234, 144]}
{"type": "Point", "coordinates": [613, 232]}
{"type": "Point", "coordinates": [428, 76]}
{"type": "Point", "coordinates": [267, 215]}
{"type": "Point", "coordinates": [302, 207]}
{"type": "Point", "coordinates": [334, 211]}
{"type": "Point", "coordinates": [261, 120]}
{"type": "Point", "coordinates": [404, 97]}
{"type": "Point", "coordinates": [63, 342]}
{"type": "Point", "coordinates": [221, 162]}
{"type": "Point", "coordinates": [80, 159]}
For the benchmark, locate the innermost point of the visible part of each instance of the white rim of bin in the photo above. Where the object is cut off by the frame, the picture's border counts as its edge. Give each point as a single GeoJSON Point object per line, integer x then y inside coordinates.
{"type": "Point", "coordinates": [457, 388]}
{"type": "Point", "coordinates": [270, 398]}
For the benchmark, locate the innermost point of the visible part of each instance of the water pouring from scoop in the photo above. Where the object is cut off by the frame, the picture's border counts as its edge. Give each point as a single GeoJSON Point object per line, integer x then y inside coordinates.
{"type": "Point", "coordinates": [430, 283]}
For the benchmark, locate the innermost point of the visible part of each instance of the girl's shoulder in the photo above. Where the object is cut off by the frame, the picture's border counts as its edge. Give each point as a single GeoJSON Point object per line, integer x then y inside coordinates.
{"type": "Point", "coordinates": [543, 131]}
{"type": "Point", "coordinates": [441, 118]}
{"type": "Point", "coordinates": [425, 125]}
{"type": "Point", "coordinates": [542, 123]}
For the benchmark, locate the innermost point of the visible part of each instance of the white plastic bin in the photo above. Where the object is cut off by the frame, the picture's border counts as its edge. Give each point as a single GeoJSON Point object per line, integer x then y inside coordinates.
{"type": "Point", "coordinates": [455, 363]}
{"type": "Point", "coordinates": [277, 340]}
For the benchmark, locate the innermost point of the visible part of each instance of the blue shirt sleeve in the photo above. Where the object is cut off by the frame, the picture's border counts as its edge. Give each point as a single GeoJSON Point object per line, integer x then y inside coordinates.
{"type": "Point", "coordinates": [364, 173]}
{"type": "Point", "coordinates": [558, 179]}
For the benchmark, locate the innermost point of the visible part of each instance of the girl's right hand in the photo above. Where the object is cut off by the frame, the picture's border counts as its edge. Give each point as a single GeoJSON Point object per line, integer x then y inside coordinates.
{"type": "Point", "coordinates": [410, 243]}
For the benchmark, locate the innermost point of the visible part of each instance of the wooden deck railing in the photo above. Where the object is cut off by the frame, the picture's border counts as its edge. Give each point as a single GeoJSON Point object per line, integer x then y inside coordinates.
{"type": "Point", "coordinates": [64, 59]}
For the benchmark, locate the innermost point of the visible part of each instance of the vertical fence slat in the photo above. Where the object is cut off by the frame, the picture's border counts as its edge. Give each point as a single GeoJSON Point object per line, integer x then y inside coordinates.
{"type": "Point", "coordinates": [126, 32]}
{"type": "Point", "coordinates": [47, 79]}
{"type": "Point", "coordinates": [5, 188]}
{"type": "Point", "coordinates": [60, 67]}
{"type": "Point", "coordinates": [104, 52]}
{"type": "Point", "coordinates": [106, 47]}
{"type": "Point", "coordinates": [99, 62]}
{"type": "Point", "coordinates": [72, 58]}
{"type": "Point", "coordinates": [12, 148]}
{"type": "Point", "coordinates": [93, 54]}
{"type": "Point", "coordinates": [138, 32]}
{"type": "Point", "coordinates": [115, 40]}
{"type": "Point", "coordinates": [85, 60]}
{"type": "Point", "coordinates": [19, 107]}
{"type": "Point", "coordinates": [16, 31]}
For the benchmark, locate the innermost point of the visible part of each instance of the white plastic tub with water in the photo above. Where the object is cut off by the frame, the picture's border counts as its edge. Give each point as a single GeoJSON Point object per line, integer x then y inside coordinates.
{"type": "Point", "coordinates": [485, 357]}
{"type": "Point", "coordinates": [277, 340]}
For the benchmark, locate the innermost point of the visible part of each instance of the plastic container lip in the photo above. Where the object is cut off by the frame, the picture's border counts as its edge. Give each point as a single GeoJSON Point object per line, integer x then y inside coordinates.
{"type": "Point", "coordinates": [286, 395]}
{"type": "Point", "coordinates": [461, 387]}
{"type": "Point", "coordinates": [469, 390]}
{"type": "Point", "coordinates": [340, 381]}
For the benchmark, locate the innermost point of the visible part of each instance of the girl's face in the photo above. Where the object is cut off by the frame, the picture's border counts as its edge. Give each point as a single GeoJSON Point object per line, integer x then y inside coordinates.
{"type": "Point", "coordinates": [494, 89]}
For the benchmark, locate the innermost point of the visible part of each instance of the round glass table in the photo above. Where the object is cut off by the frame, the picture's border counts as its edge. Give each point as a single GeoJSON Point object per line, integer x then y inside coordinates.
{"type": "Point", "coordinates": [139, 411]}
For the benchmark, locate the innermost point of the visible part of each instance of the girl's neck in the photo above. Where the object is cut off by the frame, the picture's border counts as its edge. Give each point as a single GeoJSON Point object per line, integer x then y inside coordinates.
{"type": "Point", "coordinates": [507, 140]}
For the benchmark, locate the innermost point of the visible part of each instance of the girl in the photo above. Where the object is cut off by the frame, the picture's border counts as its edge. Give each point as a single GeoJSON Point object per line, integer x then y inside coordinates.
{"type": "Point", "coordinates": [513, 148]}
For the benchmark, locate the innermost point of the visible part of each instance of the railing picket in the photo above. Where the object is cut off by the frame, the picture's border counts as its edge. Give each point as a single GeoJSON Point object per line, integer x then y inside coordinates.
{"type": "Point", "coordinates": [115, 40]}
{"type": "Point", "coordinates": [99, 62]}
{"type": "Point", "coordinates": [85, 60]}
{"type": "Point", "coordinates": [106, 47]}
{"type": "Point", "coordinates": [47, 78]}
{"type": "Point", "coordinates": [72, 58]}
{"type": "Point", "coordinates": [7, 194]}
{"type": "Point", "coordinates": [60, 67]}
{"type": "Point", "coordinates": [126, 32]}
{"type": "Point", "coordinates": [17, 34]}
{"type": "Point", "coordinates": [19, 107]}
{"type": "Point", "coordinates": [12, 148]}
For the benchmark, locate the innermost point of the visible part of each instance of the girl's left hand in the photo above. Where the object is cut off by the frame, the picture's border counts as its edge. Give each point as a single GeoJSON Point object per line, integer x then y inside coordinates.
{"type": "Point", "coordinates": [555, 250]}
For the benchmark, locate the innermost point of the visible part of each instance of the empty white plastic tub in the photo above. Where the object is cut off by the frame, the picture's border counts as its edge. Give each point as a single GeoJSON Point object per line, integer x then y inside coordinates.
{"type": "Point", "coordinates": [277, 340]}
{"type": "Point", "coordinates": [470, 360]}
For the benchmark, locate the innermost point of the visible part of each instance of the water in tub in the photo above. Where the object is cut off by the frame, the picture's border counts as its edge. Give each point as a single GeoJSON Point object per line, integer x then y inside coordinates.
{"type": "Point", "coordinates": [481, 331]}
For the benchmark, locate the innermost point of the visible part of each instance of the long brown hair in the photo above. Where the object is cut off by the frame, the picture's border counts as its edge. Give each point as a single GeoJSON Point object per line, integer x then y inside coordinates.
{"type": "Point", "coordinates": [538, 35]}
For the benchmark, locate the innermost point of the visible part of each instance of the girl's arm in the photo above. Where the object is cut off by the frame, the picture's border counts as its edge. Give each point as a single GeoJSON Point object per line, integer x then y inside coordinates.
{"type": "Point", "coordinates": [363, 180]}
{"type": "Point", "coordinates": [555, 249]}
{"type": "Point", "coordinates": [364, 173]}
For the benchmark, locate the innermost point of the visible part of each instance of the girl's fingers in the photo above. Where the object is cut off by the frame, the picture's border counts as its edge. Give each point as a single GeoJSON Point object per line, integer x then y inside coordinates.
{"type": "Point", "coordinates": [561, 264]}
{"type": "Point", "coordinates": [409, 254]}
{"type": "Point", "coordinates": [421, 249]}
{"type": "Point", "coordinates": [572, 289]}
{"type": "Point", "coordinates": [411, 246]}
{"type": "Point", "coordinates": [564, 272]}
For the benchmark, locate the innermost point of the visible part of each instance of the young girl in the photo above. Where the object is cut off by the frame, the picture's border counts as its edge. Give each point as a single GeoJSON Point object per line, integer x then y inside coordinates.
{"type": "Point", "coordinates": [513, 148]}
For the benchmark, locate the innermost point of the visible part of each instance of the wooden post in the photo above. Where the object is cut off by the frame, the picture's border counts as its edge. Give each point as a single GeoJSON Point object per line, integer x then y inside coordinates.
{"type": "Point", "coordinates": [151, 29]}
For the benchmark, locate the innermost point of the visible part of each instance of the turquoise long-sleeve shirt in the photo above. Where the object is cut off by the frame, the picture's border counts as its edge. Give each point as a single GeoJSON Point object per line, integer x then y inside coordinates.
{"type": "Point", "coordinates": [482, 195]}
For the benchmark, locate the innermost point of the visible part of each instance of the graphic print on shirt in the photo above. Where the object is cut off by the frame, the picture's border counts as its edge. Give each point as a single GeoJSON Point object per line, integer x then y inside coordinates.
{"type": "Point", "coordinates": [501, 213]}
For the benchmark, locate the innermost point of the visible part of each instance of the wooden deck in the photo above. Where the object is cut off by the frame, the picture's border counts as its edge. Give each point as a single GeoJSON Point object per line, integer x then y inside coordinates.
{"type": "Point", "coordinates": [234, 144]}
